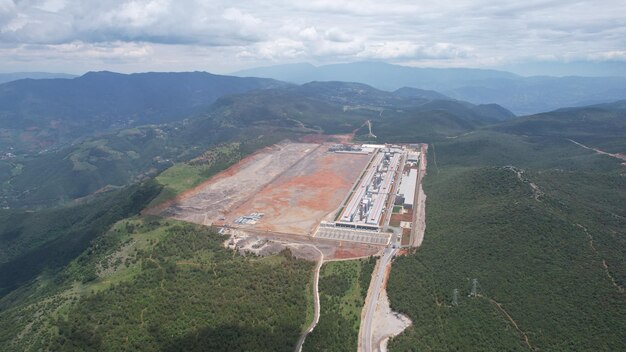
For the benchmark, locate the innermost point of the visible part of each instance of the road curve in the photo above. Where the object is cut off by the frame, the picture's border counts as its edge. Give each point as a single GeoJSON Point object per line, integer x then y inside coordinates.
{"type": "Point", "coordinates": [316, 299]}
{"type": "Point", "coordinates": [365, 333]}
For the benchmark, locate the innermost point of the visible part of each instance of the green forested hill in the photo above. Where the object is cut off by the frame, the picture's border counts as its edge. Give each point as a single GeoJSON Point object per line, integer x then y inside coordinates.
{"type": "Point", "coordinates": [539, 223]}
{"type": "Point", "coordinates": [601, 126]}
{"type": "Point", "coordinates": [161, 285]}
{"type": "Point", "coordinates": [34, 243]}
{"type": "Point", "coordinates": [45, 113]}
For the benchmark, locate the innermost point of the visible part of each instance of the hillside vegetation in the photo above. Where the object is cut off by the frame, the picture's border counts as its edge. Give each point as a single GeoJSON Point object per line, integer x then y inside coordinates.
{"type": "Point", "coordinates": [539, 223]}
{"type": "Point", "coordinates": [343, 287]}
{"type": "Point", "coordinates": [602, 126]}
{"type": "Point", "coordinates": [32, 243]}
{"type": "Point", "coordinates": [44, 113]}
{"type": "Point", "coordinates": [165, 285]}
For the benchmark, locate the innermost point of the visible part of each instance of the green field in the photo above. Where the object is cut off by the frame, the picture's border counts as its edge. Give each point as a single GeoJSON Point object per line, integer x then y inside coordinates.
{"type": "Point", "coordinates": [186, 175]}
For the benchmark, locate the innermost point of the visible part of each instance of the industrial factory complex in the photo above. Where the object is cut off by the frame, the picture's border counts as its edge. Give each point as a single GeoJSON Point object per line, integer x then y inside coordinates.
{"type": "Point", "coordinates": [358, 193]}
{"type": "Point", "coordinates": [389, 179]}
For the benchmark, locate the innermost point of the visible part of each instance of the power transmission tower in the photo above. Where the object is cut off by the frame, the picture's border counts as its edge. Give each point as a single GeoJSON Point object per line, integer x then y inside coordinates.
{"type": "Point", "coordinates": [474, 284]}
{"type": "Point", "coordinates": [455, 297]}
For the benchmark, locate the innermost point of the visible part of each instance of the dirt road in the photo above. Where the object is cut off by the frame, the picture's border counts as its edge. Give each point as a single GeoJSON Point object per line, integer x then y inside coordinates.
{"type": "Point", "coordinates": [619, 156]}
{"type": "Point", "coordinates": [316, 299]}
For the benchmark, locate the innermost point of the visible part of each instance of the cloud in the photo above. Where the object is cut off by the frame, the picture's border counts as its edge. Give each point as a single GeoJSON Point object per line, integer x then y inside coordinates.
{"type": "Point", "coordinates": [244, 33]}
{"type": "Point", "coordinates": [337, 35]}
{"type": "Point", "coordinates": [155, 21]}
{"type": "Point", "coordinates": [412, 51]}
{"type": "Point", "coordinates": [8, 11]}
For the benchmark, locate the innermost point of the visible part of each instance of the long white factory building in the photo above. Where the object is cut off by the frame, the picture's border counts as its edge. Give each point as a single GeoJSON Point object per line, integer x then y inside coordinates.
{"type": "Point", "coordinates": [383, 191]}
{"type": "Point", "coordinates": [367, 204]}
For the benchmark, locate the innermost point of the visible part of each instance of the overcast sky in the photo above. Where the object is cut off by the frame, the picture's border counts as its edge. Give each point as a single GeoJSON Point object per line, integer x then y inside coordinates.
{"type": "Point", "coordinates": [221, 36]}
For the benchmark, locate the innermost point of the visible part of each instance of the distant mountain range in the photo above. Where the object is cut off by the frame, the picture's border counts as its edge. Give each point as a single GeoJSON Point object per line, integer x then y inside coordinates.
{"type": "Point", "coordinates": [8, 77]}
{"type": "Point", "coordinates": [41, 113]}
{"type": "Point", "coordinates": [107, 129]}
{"type": "Point", "coordinates": [522, 95]}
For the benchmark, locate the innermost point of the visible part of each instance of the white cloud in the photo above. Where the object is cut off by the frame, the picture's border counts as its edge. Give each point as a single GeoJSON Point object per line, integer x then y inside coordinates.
{"type": "Point", "coordinates": [411, 51]}
{"type": "Point", "coordinates": [337, 35]}
{"type": "Point", "coordinates": [244, 33]}
{"type": "Point", "coordinates": [7, 11]}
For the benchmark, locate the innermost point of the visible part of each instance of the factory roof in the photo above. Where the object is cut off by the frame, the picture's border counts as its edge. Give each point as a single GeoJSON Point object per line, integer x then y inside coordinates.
{"type": "Point", "coordinates": [413, 156]}
{"type": "Point", "coordinates": [407, 186]}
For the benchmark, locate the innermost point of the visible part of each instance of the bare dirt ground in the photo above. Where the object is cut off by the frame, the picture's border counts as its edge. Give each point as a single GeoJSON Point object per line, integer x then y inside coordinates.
{"type": "Point", "coordinates": [297, 200]}
{"type": "Point", "coordinates": [619, 156]}
{"type": "Point", "coordinates": [304, 247]}
{"type": "Point", "coordinates": [349, 250]}
{"type": "Point", "coordinates": [295, 185]}
{"type": "Point", "coordinates": [396, 219]}
{"type": "Point", "coordinates": [406, 237]}
{"type": "Point", "coordinates": [214, 198]}
{"type": "Point", "coordinates": [420, 224]}
{"type": "Point", "coordinates": [326, 138]}
{"type": "Point", "coordinates": [387, 322]}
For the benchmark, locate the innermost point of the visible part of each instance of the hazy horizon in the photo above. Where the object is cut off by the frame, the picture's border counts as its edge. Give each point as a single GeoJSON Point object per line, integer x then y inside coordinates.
{"type": "Point", "coordinates": [524, 37]}
{"type": "Point", "coordinates": [524, 70]}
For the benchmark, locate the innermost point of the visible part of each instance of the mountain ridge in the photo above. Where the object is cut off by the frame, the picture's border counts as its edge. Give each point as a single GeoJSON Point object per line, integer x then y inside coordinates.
{"type": "Point", "coordinates": [39, 114]}
{"type": "Point", "coordinates": [522, 95]}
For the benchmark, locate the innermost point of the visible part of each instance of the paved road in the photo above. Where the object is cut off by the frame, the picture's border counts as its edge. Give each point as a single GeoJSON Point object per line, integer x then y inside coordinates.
{"type": "Point", "coordinates": [370, 307]}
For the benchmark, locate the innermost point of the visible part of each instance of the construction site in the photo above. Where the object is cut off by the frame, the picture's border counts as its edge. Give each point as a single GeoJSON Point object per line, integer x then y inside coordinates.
{"type": "Point", "coordinates": [333, 192]}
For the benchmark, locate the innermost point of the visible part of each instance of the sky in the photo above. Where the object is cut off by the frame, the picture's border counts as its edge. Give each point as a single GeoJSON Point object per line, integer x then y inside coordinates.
{"type": "Point", "coordinates": [75, 36]}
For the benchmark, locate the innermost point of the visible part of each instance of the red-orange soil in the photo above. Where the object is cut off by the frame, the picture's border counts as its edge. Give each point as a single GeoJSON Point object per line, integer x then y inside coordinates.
{"type": "Point", "coordinates": [296, 201]}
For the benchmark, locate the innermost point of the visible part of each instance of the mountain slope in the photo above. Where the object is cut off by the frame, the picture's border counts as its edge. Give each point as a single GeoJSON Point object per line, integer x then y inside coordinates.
{"type": "Point", "coordinates": [37, 114]}
{"type": "Point", "coordinates": [601, 125]}
{"type": "Point", "coordinates": [420, 93]}
{"type": "Point", "coordinates": [537, 94]}
{"type": "Point", "coordinates": [538, 222]}
{"type": "Point", "coordinates": [156, 284]}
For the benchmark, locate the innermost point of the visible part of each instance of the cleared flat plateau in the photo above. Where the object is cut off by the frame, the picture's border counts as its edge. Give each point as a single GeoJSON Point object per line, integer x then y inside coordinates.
{"type": "Point", "coordinates": [294, 184]}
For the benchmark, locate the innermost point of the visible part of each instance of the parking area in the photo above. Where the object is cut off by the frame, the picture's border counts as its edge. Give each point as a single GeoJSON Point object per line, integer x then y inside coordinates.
{"type": "Point", "coordinates": [340, 234]}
